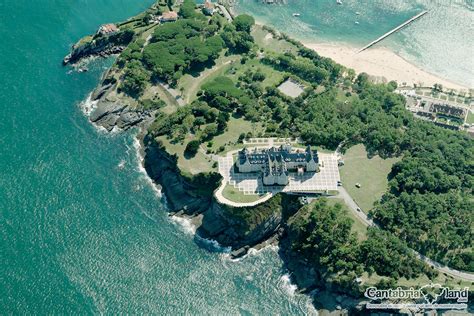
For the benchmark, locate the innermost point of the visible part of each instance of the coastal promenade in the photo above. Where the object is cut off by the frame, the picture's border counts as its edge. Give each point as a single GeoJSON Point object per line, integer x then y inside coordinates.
{"type": "Point", "coordinates": [349, 201]}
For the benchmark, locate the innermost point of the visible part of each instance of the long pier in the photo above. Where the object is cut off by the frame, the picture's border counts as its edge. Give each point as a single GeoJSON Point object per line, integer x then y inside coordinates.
{"type": "Point", "coordinates": [419, 15]}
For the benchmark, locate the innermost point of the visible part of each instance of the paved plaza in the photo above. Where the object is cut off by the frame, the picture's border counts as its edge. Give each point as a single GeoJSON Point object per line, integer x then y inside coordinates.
{"type": "Point", "coordinates": [251, 183]}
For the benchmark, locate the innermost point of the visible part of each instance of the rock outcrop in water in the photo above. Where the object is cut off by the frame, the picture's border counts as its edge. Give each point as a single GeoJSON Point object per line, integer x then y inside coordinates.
{"type": "Point", "coordinates": [99, 45]}
{"type": "Point", "coordinates": [111, 111]}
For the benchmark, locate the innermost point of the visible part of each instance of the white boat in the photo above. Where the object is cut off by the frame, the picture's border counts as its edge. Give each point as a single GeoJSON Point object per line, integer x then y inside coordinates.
{"type": "Point", "coordinates": [356, 22]}
{"type": "Point", "coordinates": [296, 14]}
{"type": "Point", "coordinates": [357, 13]}
{"type": "Point", "coordinates": [339, 1]}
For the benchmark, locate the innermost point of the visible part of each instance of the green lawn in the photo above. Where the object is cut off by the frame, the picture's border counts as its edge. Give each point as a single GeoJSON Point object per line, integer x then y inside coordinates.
{"type": "Point", "coordinates": [370, 173]}
{"type": "Point", "coordinates": [233, 194]}
{"type": "Point", "coordinates": [191, 83]}
{"type": "Point", "coordinates": [265, 40]}
{"type": "Point", "coordinates": [230, 137]}
{"type": "Point", "coordinates": [470, 118]}
{"type": "Point", "coordinates": [171, 103]}
{"type": "Point", "coordinates": [272, 76]}
{"type": "Point", "coordinates": [84, 40]}
{"type": "Point", "coordinates": [419, 281]}
{"type": "Point", "coordinates": [195, 165]}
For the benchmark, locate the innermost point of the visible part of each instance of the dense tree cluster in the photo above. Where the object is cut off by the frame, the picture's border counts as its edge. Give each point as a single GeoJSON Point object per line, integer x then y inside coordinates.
{"type": "Point", "coordinates": [192, 148]}
{"type": "Point", "coordinates": [321, 234]}
{"type": "Point", "coordinates": [135, 79]}
{"type": "Point", "coordinates": [237, 35]}
{"type": "Point", "coordinates": [188, 9]}
{"type": "Point", "coordinates": [307, 65]}
{"type": "Point", "coordinates": [429, 203]}
{"type": "Point", "coordinates": [181, 46]}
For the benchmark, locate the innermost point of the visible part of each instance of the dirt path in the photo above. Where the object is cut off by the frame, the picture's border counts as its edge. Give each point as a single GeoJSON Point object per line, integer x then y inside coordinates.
{"type": "Point", "coordinates": [204, 75]}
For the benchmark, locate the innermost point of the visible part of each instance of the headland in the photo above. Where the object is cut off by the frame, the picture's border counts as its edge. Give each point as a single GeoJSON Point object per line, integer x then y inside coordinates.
{"type": "Point", "coordinates": [201, 84]}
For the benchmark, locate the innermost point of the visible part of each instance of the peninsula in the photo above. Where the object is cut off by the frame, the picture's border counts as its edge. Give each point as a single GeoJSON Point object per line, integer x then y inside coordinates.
{"type": "Point", "coordinates": [259, 139]}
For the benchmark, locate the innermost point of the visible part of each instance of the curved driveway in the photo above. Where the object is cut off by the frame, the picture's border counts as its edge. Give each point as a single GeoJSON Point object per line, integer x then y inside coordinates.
{"type": "Point", "coordinates": [367, 221]}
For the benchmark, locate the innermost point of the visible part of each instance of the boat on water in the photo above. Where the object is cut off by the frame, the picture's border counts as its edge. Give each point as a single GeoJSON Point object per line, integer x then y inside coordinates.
{"type": "Point", "coordinates": [357, 13]}
{"type": "Point", "coordinates": [339, 1]}
{"type": "Point", "coordinates": [356, 22]}
{"type": "Point", "coordinates": [296, 14]}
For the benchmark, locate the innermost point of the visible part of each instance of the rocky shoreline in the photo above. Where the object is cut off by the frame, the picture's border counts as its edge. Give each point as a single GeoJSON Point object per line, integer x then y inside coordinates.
{"type": "Point", "coordinates": [109, 112]}
{"type": "Point", "coordinates": [183, 198]}
{"type": "Point", "coordinates": [214, 221]}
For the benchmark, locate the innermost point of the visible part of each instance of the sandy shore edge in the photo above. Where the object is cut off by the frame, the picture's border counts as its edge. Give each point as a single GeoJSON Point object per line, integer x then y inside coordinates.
{"type": "Point", "coordinates": [382, 62]}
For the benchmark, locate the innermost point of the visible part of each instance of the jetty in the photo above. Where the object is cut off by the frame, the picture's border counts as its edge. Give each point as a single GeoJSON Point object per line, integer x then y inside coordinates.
{"type": "Point", "coordinates": [275, 1]}
{"type": "Point", "coordinates": [416, 17]}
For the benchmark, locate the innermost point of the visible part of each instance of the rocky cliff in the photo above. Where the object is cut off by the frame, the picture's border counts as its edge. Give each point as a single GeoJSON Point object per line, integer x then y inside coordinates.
{"type": "Point", "coordinates": [180, 194]}
{"type": "Point", "coordinates": [239, 228]}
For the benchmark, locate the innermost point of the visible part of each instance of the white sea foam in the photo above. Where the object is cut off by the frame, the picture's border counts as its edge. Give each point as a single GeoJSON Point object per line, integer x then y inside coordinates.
{"type": "Point", "coordinates": [141, 168]}
{"type": "Point", "coordinates": [185, 224]}
{"type": "Point", "coordinates": [213, 245]}
{"type": "Point", "coordinates": [121, 164]}
{"type": "Point", "coordinates": [252, 252]}
{"type": "Point", "coordinates": [87, 106]}
{"type": "Point", "coordinates": [287, 286]}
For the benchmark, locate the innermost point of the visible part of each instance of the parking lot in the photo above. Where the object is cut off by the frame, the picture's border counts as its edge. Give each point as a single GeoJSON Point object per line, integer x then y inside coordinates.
{"type": "Point", "coordinates": [251, 183]}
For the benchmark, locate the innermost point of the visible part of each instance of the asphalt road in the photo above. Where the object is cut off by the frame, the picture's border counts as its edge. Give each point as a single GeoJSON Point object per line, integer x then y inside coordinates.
{"type": "Point", "coordinates": [344, 195]}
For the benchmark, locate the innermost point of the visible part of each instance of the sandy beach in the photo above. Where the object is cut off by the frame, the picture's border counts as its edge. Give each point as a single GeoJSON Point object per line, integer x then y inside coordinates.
{"type": "Point", "coordinates": [382, 62]}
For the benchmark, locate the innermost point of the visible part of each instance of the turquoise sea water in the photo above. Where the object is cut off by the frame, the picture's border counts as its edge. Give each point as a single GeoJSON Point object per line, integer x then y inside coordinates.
{"type": "Point", "coordinates": [441, 42]}
{"type": "Point", "coordinates": [81, 229]}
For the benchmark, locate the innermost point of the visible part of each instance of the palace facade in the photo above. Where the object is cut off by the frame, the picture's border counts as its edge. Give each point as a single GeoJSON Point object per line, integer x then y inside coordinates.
{"type": "Point", "coordinates": [276, 162]}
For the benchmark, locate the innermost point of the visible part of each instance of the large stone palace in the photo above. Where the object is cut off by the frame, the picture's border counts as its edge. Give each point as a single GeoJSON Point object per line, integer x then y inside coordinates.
{"type": "Point", "coordinates": [276, 162]}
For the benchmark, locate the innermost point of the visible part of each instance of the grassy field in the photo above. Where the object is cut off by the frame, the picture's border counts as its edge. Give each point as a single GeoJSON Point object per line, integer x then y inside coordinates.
{"type": "Point", "coordinates": [370, 173]}
{"type": "Point", "coordinates": [195, 165]}
{"type": "Point", "coordinates": [272, 76]}
{"type": "Point", "coordinates": [235, 127]}
{"type": "Point", "coordinates": [233, 194]}
{"type": "Point", "coordinates": [470, 118]}
{"type": "Point", "coordinates": [266, 40]}
{"type": "Point", "coordinates": [191, 83]}
{"type": "Point", "coordinates": [171, 103]}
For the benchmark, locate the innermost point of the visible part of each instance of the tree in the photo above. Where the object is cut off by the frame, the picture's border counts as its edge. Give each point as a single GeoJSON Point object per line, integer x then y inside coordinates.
{"type": "Point", "coordinates": [135, 79]}
{"type": "Point", "coordinates": [192, 148]}
{"type": "Point", "coordinates": [187, 9]}
{"type": "Point", "coordinates": [258, 76]}
{"type": "Point", "coordinates": [243, 23]}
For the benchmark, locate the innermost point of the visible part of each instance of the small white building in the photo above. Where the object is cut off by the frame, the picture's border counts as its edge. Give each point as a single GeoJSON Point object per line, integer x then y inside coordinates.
{"type": "Point", "coordinates": [208, 8]}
